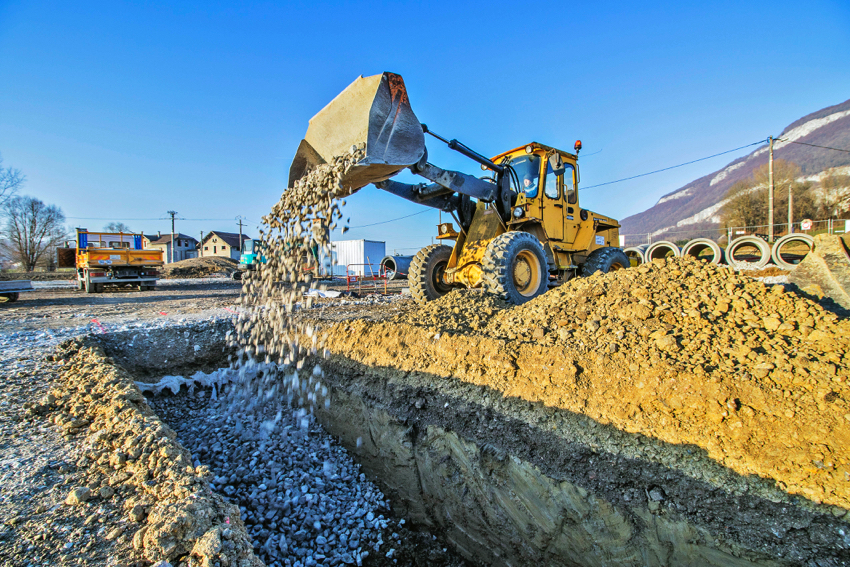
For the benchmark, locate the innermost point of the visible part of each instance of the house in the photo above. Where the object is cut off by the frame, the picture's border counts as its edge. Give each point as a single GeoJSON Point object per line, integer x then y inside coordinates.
{"type": "Point", "coordinates": [222, 244]}
{"type": "Point", "coordinates": [185, 246]}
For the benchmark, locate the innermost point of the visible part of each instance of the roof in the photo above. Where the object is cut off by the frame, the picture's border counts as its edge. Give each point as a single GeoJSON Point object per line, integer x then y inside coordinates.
{"type": "Point", "coordinates": [534, 145]}
{"type": "Point", "coordinates": [230, 238]}
{"type": "Point", "coordinates": [166, 238]}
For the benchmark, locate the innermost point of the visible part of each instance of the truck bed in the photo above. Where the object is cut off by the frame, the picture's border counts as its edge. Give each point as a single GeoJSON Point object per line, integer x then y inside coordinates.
{"type": "Point", "coordinates": [102, 257]}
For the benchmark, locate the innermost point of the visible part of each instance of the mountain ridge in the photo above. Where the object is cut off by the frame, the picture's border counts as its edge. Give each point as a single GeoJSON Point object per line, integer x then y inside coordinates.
{"type": "Point", "coordinates": [694, 206]}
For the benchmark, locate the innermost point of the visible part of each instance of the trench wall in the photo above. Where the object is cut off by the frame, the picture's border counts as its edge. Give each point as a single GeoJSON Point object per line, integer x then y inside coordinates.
{"type": "Point", "coordinates": [514, 482]}
{"type": "Point", "coordinates": [517, 483]}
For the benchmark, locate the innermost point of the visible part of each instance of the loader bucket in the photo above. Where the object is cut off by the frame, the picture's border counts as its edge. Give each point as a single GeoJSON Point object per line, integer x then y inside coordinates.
{"type": "Point", "coordinates": [374, 111]}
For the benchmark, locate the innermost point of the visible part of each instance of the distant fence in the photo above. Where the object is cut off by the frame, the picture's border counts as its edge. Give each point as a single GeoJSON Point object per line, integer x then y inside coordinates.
{"type": "Point", "coordinates": [726, 235]}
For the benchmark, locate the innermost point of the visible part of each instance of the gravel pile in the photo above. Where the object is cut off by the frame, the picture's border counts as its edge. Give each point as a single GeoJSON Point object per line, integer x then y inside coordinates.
{"type": "Point", "coordinates": [302, 498]}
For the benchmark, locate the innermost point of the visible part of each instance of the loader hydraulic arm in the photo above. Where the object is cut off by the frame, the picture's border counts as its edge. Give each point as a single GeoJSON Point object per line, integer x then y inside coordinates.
{"type": "Point", "coordinates": [374, 113]}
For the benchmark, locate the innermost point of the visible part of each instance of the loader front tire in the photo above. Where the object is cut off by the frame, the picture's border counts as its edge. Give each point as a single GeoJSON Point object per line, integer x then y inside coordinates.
{"type": "Point", "coordinates": [605, 260]}
{"type": "Point", "coordinates": [514, 267]}
{"type": "Point", "coordinates": [426, 273]}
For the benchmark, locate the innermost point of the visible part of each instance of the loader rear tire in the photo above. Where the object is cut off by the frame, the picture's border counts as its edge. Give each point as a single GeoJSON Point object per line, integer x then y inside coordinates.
{"type": "Point", "coordinates": [605, 260]}
{"type": "Point", "coordinates": [426, 273]}
{"type": "Point", "coordinates": [514, 267]}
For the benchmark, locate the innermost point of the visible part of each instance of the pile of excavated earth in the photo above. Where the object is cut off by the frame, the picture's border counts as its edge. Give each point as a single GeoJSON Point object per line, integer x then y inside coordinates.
{"type": "Point", "coordinates": [200, 267]}
{"type": "Point", "coordinates": [680, 351]}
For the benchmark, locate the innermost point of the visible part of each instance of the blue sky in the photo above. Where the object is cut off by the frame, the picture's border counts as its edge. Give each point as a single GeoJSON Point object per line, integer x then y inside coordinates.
{"type": "Point", "coordinates": [122, 111]}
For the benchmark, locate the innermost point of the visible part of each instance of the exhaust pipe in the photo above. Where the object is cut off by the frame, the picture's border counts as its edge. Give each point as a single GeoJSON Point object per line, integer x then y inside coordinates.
{"type": "Point", "coordinates": [372, 111]}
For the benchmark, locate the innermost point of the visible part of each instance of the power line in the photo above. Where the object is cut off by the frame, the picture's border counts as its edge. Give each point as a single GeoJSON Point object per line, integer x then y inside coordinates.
{"type": "Point", "coordinates": [391, 220]}
{"type": "Point", "coordinates": [150, 219]}
{"type": "Point", "coordinates": [672, 166]}
{"type": "Point", "coordinates": [812, 145]}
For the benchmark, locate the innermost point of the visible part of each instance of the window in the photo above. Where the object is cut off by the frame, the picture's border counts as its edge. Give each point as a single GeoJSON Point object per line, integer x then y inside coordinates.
{"type": "Point", "coordinates": [527, 169]}
{"type": "Point", "coordinates": [553, 179]}
{"type": "Point", "coordinates": [570, 184]}
{"type": "Point", "coordinates": [206, 248]}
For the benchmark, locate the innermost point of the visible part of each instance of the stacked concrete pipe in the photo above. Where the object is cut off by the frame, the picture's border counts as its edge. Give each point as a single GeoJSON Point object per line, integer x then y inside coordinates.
{"type": "Point", "coordinates": [699, 245]}
{"type": "Point", "coordinates": [637, 252]}
{"type": "Point", "coordinates": [396, 267]}
{"type": "Point", "coordinates": [762, 247]}
{"type": "Point", "coordinates": [788, 238]}
{"type": "Point", "coordinates": [662, 249]}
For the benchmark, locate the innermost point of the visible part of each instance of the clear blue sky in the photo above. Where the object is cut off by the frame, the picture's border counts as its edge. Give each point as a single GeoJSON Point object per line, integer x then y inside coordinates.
{"type": "Point", "coordinates": [123, 110]}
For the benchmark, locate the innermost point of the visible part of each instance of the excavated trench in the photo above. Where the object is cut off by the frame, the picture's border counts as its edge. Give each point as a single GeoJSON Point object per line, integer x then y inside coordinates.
{"type": "Point", "coordinates": [508, 481]}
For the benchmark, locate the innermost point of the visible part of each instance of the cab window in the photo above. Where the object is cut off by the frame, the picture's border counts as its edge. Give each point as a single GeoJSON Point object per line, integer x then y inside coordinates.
{"type": "Point", "coordinates": [570, 184]}
{"type": "Point", "coordinates": [551, 189]}
{"type": "Point", "coordinates": [527, 170]}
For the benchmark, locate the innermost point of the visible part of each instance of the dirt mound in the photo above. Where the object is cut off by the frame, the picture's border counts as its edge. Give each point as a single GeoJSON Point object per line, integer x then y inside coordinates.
{"type": "Point", "coordinates": [682, 351]}
{"type": "Point", "coordinates": [460, 311]}
{"type": "Point", "coordinates": [135, 460]}
{"type": "Point", "coordinates": [200, 267]}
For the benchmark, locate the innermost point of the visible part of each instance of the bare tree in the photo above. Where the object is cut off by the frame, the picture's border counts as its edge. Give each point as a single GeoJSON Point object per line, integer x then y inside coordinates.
{"type": "Point", "coordinates": [117, 227]}
{"type": "Point", "coordinates": [10, 181]}
{"type": "Point", "coordinates": [745, 205]}
{"type": "Point", "coordinates": [834, 194]}
{"type": "Point", "coordinates": [32, 229]}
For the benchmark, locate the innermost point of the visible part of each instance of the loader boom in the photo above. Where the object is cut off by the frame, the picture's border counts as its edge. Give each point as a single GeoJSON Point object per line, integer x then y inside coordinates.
{"type": "Point", "coordinates": [521, 228]}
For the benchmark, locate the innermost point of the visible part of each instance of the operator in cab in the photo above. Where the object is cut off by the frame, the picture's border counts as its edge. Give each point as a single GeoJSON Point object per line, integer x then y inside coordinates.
{"type": "Point", "coordinates": [529, 186]}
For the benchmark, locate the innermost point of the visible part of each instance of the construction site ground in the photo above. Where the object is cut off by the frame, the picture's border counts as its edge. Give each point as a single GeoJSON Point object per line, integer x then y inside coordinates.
{"type": "Point", "coordinates": [637, 357]}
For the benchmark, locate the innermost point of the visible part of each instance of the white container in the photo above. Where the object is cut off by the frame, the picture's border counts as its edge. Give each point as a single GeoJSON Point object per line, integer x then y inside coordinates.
{"type": "Point", "coordinates": [358, 256]}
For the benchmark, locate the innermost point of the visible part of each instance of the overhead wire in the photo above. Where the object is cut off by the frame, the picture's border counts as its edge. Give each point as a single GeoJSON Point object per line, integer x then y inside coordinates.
{"type": "Point", "coordinates": [391, 220]}
{"type": "Point", "coordinates": [812, 145]}
{"type": "Point", "coordinates": [672, 166]}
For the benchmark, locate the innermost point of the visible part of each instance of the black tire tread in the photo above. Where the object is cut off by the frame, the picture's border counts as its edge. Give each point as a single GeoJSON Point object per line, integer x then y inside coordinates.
{"type": "Point", "coordinates": [418, 276]}
{"type": "Point", "coordinates": [495, 265]}
{"type": "Point", "coordinates": [601, 259]}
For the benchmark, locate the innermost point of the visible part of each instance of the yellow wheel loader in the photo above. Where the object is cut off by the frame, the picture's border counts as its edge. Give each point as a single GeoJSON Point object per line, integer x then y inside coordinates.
{"type": "Point", "coordinates": [520, 228]}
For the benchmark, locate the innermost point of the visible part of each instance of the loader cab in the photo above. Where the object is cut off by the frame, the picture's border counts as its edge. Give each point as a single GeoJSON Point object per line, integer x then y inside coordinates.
{"type": "Point", "coordinates": [554, 205]}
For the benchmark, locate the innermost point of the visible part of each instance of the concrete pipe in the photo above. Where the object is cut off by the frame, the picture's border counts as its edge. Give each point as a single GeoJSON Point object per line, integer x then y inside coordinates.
{"type": "Point", "coordinates": [701, 247]}
{"type": "Point", "coordinates": [757, 262]}
{"type": "Point", "coordinates": [794, 258]}
{"type": "Point", "coordinates": [635, 254]}
{"type": "Point", "coordinates": [660, 250]}
{"type": "Point", "coordinates": [396, 267]}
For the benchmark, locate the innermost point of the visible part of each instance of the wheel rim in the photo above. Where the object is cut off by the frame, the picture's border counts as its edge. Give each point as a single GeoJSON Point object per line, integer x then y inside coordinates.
{"type": "Point", "coordinates": [526, 273]}
{"type": "Point", "coordinates": [437, 277]}
{"type": "Point", "coordinates": [616, 266]}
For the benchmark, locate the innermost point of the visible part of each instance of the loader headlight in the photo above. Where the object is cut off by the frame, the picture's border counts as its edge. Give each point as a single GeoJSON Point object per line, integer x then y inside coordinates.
{"type": "Point", "coordinates": [529, 148]}
{"type": "Point", "coordinates": [518, 212]}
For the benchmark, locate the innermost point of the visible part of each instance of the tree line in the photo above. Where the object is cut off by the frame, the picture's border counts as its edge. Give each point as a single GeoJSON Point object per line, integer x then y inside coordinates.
{"type": "Point", "coordinates": [747, 201]}
{"type": "Point", "coordinates": [31, 229]}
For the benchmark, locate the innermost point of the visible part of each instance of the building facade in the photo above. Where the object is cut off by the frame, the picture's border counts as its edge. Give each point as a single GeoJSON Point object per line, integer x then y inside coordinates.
{"type": "Point", "coordinates": [185, 246]}
{"type": "Point", "coordinates": [222, 244]}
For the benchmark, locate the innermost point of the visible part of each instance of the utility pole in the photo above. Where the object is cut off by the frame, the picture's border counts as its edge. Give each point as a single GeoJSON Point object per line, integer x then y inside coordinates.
{"type": "Point", "coordinates": [173, 214]}
{"type": "Point", "coordinates": [790, 207]}
{"type": "Point", "coordinates": [240, 236]}
{"type": "Point", "coordinates": [201, 244]}
{"type": "Point", "coordinates": [770, 193]}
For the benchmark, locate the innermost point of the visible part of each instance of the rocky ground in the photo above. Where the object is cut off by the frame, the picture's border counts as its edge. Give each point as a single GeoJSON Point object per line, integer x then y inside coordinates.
{"type": "Point", "coordinates": [69, 494]}
{"type": "Point", "coordinates": [754, 375]}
